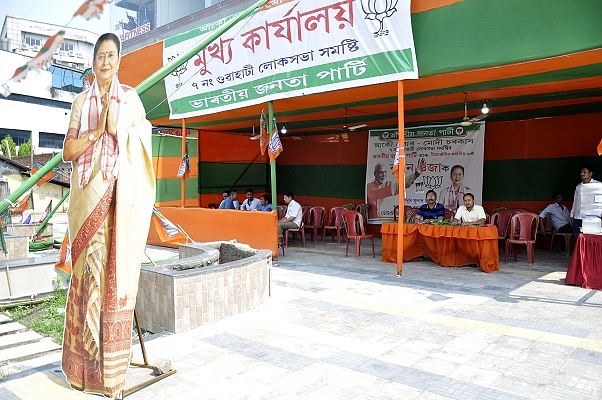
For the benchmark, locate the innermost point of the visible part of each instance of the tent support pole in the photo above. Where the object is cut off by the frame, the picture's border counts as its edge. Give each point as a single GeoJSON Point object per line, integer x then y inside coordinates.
{"type": "Point", "coordinates": [402, 170]}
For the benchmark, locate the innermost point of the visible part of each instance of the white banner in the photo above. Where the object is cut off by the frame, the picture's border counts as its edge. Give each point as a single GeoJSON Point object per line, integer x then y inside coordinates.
{"type": "Point", "coordinates": [446, 158]}
{"type": "Point", "coordinates": [291, 48]}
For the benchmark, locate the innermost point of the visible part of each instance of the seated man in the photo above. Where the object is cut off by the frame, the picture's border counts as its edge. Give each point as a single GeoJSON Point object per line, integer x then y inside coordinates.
{"type": "Point", "coordinates": [266, 203]}
{"type": "Point", "coordinates": [251, 203]}
{"type": "Point", "coordinates": [224, 197]}
{"type": "Point", "coordinates": [469, 213]}
{"type": "Point", "coordinates": [560, 214]}
{"type": "Point", "coordinates": [292, 218]}
{"type": "Point", "coordinates": [230, 202]}
{"type": "Point", "coordinates": [431, 210]}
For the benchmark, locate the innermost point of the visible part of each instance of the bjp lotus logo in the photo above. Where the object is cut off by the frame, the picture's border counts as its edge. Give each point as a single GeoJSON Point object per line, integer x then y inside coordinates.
{"type": "Point", "coordinates": [432, 182]}
{"type": "Point", "coordinates": [379, 10]}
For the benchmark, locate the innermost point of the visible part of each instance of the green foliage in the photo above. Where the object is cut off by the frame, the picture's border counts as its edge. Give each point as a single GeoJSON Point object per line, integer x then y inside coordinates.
{"type": "Point", "coordinates": [25, 149]}
{"type": "Point", "coordinates": [439, 222]}
{"type": "Point", "coordinates": [11, 145]}
{"type": "Point", "coordinates": [46, 318]}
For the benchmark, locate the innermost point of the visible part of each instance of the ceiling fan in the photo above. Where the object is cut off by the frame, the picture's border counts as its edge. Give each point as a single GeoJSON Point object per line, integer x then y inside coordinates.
{"type": "Point", "coordinates": [469, 121]}
{"type": "Point", "coordinates": [353, 127]}
{"type": "Point", "coordinates": [254, 136]}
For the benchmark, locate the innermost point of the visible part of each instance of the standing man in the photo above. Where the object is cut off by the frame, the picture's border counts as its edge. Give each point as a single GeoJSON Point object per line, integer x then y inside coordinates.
{"type": "Point", "coordinates": [292, 218]}
{"type": "Point", "coordinates": [576, 216]}
{"type": "Point", "coordinates": [469, 213]}
{"type": "Point", "coordinates": [230, 202]}
{"type": "Point", "coordinates": [560, 214]}
{"type": "Point", "coordinates": [251, 203]}
{"type": "Point", "coordinates": [430, 210]}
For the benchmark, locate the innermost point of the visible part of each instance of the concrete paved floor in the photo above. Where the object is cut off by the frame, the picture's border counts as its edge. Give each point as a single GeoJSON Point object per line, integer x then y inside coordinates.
{"type": "Point", "coordinates": [340, 328]}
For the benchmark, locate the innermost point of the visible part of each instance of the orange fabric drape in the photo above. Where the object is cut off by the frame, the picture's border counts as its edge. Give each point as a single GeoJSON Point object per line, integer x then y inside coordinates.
{"type": "Point", "coordinates": [448, 246]}
{"type": "Point", "coordinates": [255, 228]}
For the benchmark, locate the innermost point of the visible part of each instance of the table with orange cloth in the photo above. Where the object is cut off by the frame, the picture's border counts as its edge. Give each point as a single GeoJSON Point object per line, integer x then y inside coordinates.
{"type": "Point", "coordinates": [585, 267]}
{"type": "Point", "coordinates": [446, 245]}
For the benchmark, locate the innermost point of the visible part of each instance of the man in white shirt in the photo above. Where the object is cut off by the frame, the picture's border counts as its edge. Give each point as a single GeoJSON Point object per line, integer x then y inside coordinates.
{"type": "Point", "coordinates": [560, 214]}
{"type": "Point", "coordinates": [469, 213]}
{"type": "Point", "coordinates": [292, 218]}
{"type": "Point", "coordinates": [251, 203]}
{"type": "Point", "coordinates": [576, 217]}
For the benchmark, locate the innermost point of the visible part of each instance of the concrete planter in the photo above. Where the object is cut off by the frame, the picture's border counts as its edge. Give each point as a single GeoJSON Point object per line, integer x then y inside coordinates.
{"type": "Point", "coordinates": [179, 300]}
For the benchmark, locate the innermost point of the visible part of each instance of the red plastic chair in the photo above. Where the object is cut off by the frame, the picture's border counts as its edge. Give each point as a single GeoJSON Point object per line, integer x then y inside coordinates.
{"type": "Point", "coordinates": [568, 237]}
{"type": "Point", "coordinates": [315, 221]}
{"type": "Point", "coordinates": [349, 206]}
{"type": "Point", "coordinates": [409, 214]}
{"type": "Point", "coordinates": [449, 214]}
{"type": "Point", "coordinates": [363, 209]}
{"type": "Point", "coordinates": [354, 224]}
{"type": "Point", "coordinates": [282, 211]}
{"type": "Point", "coordinates": [544, 233]}
{"type": "Point", "coordinates": [300, 230]}
{"type": "Point", "coordinates": [501, 219]}
{"type": "Point", "coordinates": [523, 230]}
{"type": "Point", "coordinates": [333, 223]}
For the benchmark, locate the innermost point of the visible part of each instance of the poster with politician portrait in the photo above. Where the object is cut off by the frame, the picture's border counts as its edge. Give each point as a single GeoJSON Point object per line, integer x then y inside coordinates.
{"type": "Point", "coordinates": [445, 158]}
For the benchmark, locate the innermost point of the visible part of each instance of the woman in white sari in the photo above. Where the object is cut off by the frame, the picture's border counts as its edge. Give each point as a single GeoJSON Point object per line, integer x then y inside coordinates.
{"type": "Point", "coordinates": [110, 207]}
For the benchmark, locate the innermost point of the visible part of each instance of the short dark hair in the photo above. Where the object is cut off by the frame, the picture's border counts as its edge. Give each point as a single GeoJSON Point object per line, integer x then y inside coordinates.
{"type": "Point", "coordinates": [468, 194]}
{"type": "Point", "coordinates": [431, 191]}
{"type": "Point", "coordinates": [107, 36]}
{"type": "Point", "coordinates": [232, 191]}
{"type": "Point", "coordinates": [587, 167]}
{"type": "Point", "coordinates": [267, 198]}
{"type": "Point", "coordinates": [457, 166]}
{"type": "Point", "coordinates": [556, 194]}
{"type": "Point", "coordinates": [290, 194]}
{"type": "Point", "coordinates": [250, 190]}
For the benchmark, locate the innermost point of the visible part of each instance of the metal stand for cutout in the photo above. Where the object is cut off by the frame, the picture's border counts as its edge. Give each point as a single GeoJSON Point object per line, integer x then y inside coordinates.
{"type": "Point", "coordinates": [150, 381]}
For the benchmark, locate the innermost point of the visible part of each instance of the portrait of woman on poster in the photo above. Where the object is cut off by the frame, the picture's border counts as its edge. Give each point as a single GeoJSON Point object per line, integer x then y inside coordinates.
{"type": "Point", "coordinates": [452, 196]}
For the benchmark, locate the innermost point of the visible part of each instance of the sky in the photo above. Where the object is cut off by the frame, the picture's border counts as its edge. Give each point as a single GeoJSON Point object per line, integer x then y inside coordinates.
{"type": "Point", "coordinates": [57, 12]}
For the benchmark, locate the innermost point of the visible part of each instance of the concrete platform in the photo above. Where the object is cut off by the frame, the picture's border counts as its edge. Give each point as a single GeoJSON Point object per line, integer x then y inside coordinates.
{"type": "Point", "coordinates": [340, 328]}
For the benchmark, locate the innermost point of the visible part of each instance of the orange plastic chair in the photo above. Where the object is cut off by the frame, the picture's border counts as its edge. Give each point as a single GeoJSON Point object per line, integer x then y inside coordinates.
{"type": "Point", "coordinates": [315, 221]}
{"type": "Point", "coordinates": [354, 224]}
{"type": "Point", "coordinates": [523, 230]}
{"type": "Point", "coordinates": [333, 223]}
{"type": "Point", "coordinates": [300, 230]}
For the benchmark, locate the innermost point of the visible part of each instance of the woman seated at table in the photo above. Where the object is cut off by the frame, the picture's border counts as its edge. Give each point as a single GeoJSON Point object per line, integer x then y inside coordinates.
{"type": "Point", "coordinates": [266, 203]}
{"type": "Point", "coordinates": [469, 213]}
{"type": "Point", "coordinates": [430, 211]}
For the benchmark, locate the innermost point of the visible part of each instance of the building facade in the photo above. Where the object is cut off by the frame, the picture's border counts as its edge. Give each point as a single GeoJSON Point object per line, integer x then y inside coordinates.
{"type": "Point", "coordinates": [144, 22]}
{"type": "Point", "coordinates": [38, 108]}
